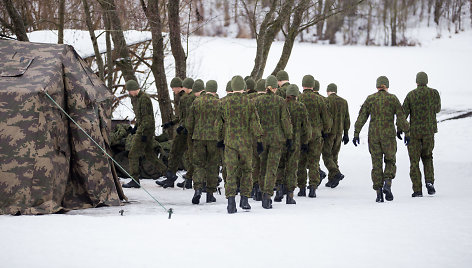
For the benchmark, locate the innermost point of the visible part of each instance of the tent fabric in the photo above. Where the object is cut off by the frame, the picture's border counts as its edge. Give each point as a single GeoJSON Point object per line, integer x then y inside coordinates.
{"type": "Point", "coordinates": [47, 164]}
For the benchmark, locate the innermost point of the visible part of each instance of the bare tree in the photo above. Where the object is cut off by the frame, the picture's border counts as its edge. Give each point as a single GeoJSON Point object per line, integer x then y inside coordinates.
{"type": "Point", "coordinates": [98, 57]}
{"type": "Point", "coordinates": [60, 26]}
{"type": "Point", "coordinates": [175, 39]}
{"type": "Point", "coordinates": [18, 26]}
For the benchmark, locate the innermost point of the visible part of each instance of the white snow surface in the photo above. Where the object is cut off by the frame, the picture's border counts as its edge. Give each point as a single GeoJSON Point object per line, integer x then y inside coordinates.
{"type": "Point", "coordinates": [342, 227]}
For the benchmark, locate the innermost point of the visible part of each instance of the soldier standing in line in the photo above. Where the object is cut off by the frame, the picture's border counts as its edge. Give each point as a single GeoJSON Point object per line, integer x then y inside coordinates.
{"type": "Point", "coordinates": [238, 126]}
{"type": "Point", "coordinates": [282, 83]}
{"type": "Point", "coordinates": [256, 160]}
{"type": "Point", "coordinates": [316, 88]}
{"type": "Point", "coordinates": [251, 86]}
{"type": "Point", "coordinates": [339, 111]}
{"type": "Point", "coordinates": [275, 122]}
{"type": "Point", "coordinates": [320, 122]}
{"type": "Point", "coordinates": [422, 104]}
{"type": "Point", "coordinates": [382, 107]}
{"type": "Point", "coordinates": [144, 135]}
{"type": "Point", "coordinates": [201, 127]}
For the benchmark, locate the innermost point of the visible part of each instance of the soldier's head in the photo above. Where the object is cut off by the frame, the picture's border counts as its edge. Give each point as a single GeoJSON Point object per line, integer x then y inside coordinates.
{"type": "Point", "coordinates": [187, 84]}
{"type": "Point", "coordinates": [282, 77]}
{"type": "Point", "coordinates": [229, 90]}
{"type": "Point", "coordinates": [317, 86]}
{"type": "Point", "coordinates": [382, 83]}
{"type": "Point", "coordinates": [211, 87]}
{"type": "Point", "coordinates": [251, 84]}
{"type": "Point", "coordinates": [132, 87]}
{"type": "Point", "coordinates": [260, 86]}
{"type": "Point", "coordinates": [176, 85]}
{"type": "Point", "coordinates": [271, 83]}
{"type": "Point", "coordinates": [237, 84]}
{"type": "Point", "coordinates": [421, 79]}
{"type": "Point", "coordinates": [292, 92]}
{"type": "Point", "coordinates": [198, 87]}
{"type": "Point", "coordinates": [332, 88]}
{"type": "Point", "coordinates": [308, 82]}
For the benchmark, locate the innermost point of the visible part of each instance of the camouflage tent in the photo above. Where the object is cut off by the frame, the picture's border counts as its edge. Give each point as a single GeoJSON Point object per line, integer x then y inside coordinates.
{"type": "Point", "coordinates": [47, 164]}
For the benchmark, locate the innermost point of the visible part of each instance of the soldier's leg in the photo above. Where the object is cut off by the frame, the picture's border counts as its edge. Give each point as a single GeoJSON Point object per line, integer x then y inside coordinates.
{"type": "Point", "coordinates": [273, 158]}
{"type": "Point", "coordinates": [179, 146]}
{"type": "Point", "coordinates": [328, 144]}
{"type": "Point", "coordinates": [301, 170]}
{"type": "Point", "coordinates": [199, 160]}
{"type": "Point", "coordinates": [389, 148]}
{"type": "Point", "coordinates": [191, 167]}
{"type": "Point", "coordinates": [291, 168]}
{"type": "Point", "coordinates": [414, 152]}
{"type": "Point", "coordinates": [212, 166]}
{"type": "Point", "coordinates": [231, 162]}
{"type": "Point", "coordinates": [281, 176]}
{"type": "Point", "coordinates": [256, 166]}
{"type": "Point", "coordinates": [245, 167]}
{"type": "Point", "coordinates": [336, 148]}
{"type": "Point", "coordinates": [313, 160]}
{"type": "Point", "coordinates": [135, 153]}
{"type": "Point", "coordinates": [427, 158]}
{"type": "Point", "coordinates": [376, 155]}
{"type": "Point", "coordinates": [263, 157]}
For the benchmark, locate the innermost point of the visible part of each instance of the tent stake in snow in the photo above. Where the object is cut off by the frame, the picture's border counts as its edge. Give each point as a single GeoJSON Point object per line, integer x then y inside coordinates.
{"type": "Point", "coordinates": [170, 211]}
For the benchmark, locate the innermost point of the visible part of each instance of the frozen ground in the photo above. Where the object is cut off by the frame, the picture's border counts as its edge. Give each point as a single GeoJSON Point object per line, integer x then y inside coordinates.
{"type": "Point", "coordinates": [342, 227]}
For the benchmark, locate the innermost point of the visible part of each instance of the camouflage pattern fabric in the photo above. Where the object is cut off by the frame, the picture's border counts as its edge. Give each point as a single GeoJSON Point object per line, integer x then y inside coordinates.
{"type": "Point", "coordinates": [201, 119]}
{"type": "Point", "coordinates": [179, 147]}
{"type": "Point", "coordinates": [206, 162]}
{"type": "Point", "coordinates": [47, 164]}
{"type": "Point", "coordinates": [421, 148]}
{"type": "Point", "coordinates": [281, 91]}
{"type": "Point", "coordinates": [382, 107]}
{"type": "Point", "coordinates": [310, 161]}
{"type": "Point", "coordinates": [320, 120]}
{"type": "Point", "coordinates": [185, 104]}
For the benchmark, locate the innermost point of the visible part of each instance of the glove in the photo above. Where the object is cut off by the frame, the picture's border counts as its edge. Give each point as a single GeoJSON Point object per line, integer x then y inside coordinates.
{"type": "Point", "coordinates": [288, 143]}
{"type": "Point", "coordinates": [324, 135]}
{"type": "Point", "coordinates": [133, 130]}
{"type": "Point", "coordinates": [407, 140]}
{"type": "Point", "coordinates": [346, 139]}
{"type": "Point", "coordinates": [181, 130]}
{"type": "Point", "coordinates": [304, 148]}
{"type": "Point", "coordinates": [399, 134]}
{"type": "Point", "coordinates": [260, 148]}
{"type": "Point", "coordinates": [356, 141]}
{"type": "Point", "coordinates": [220, 144]}
{"type": "Point", "coordinates": [143, 138]}
{"type": "Point", "coordinates": [167, 125]}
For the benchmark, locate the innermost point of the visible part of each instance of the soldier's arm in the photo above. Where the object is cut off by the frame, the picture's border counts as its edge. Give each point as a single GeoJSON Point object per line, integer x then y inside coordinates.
{"type": "Point", "coordinates": [406, 106]}
{"type": "Point", "coordinates": [364, 114]}
{"type": "Point", "coordinates": [255, 124]}
{"type": "Point", "coordinates": [437, 101]}
{"type": "Point", "coordinates": [326, 118]}
{"type": "Point", "coordinates": [347, 120]}
{"type": "Point", "coordinates": [147, 116]}
{"type": "Point", "coordinates": [306, 128]}
{"type": "Point", "coordinates": [286, 121]}
{"type": "Point", "coordinates": [402, 124]}
{"type": "Point", "coordinates": [219, 122]}
{"type": "Point", "coordinates": [190, 121]}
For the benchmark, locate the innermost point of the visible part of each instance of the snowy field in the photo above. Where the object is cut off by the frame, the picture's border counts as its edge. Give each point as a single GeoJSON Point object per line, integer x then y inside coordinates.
{"type": "Point", "coordinates": [342, 227]}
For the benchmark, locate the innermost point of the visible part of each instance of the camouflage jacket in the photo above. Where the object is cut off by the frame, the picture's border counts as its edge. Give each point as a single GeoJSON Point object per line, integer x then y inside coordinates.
{"type": "Point", "coordinates": [381, 107]}
{"type": "Point", "coordinates": [281, 91]}
{"type": "Point", "coordinates": [201, 118]}
{"type": "Point", "coordinates": [422, 104]}
{"type": "Point", "coordinates": [177, 103]}
{"type": "Point", "coordinates": [339, 113]}
{"type": "Point", "coordinates": [120, 133]}
{"type": "Point", "coordinates": [142, 108]}
{"type": "Point", "coordinates": [301, 126]}
{"type": "Point", "coordinates": [274, 116]}
{"type": "Point", "coordinates": [317, 112]}
{"type": "Point", "coordinates": [184, 107]}
{"type": "Point", "coordinates": [252, 95]}
{"type": "Point", "coordinates": [238, 122]}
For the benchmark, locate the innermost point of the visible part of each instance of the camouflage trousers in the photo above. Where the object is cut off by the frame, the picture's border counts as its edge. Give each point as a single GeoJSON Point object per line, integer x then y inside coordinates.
{"type": "Point", "coordinates": [382, 150]}
{"type": "Point", "coordinates": [188, 158]}
{"type": "Point", "coordinates": [256, 165]}
{"type": "Point", "coordinates": [421, 148]}
{"type": "Point", "coordinates": [238, 161]}
{"type": "Point", "coordinates": [179, 146]}
{"type": "Point", "coordinates": [206, 161]}
{"type": "Point", "coordinates": [270, 158]}
{"type": "Point", "coordinates": [140, 149]}
{"type": "Point", "coordinates": [331, 148]}
{"type": "Point", "coordinates": [310, 160]}
{"type": "Point", "coordinates": [288, 167]}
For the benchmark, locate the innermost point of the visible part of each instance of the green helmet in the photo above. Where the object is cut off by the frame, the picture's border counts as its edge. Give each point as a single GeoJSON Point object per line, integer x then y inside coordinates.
{"type": "Point", "coordinates": [271, 81]}
{"type": "Point", "coordinates": [237, 83]}
{"type": "Point", "coordinates": [251, 84]}
{"type": "Point", "coordinates": [211, 86]}
{"type": "Point", "coordinates": [228, 87]}
{"type": "Point", "coordinates": [282, 75]}
{"type": "Point", "coordinates": [131, 85]}
{"type": "Point", "coordinates": [422, 79]}
{"type": "Point", "coordinates": [175, 82]}
{"type": "Point", "coordinates": [292, 90]}
{"type": "Point", "coordinates": [317, 86]}
{"type": "Point", "coordinates": [308, 81]}
{"type": "Point", "coordinates": [188, 83]}
{"type": "Point", "coordinates": [198, 85]}
{"type": "Point", "coordinates": [332, 88]}
{"type": "Point", "coordinates": [260, 86]}
{"type": "Point", "coordinates": [382, 80]}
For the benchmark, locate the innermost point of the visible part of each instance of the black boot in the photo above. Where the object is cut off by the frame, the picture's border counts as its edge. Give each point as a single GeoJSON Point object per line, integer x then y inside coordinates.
{"type": "Point", "coordinates": [131, 184]}
{"type": "Point", "coordinates": [430, 188]}
{"type": "Point", "coordinates": [244, 203]}
{"type": "Point", "coordinates": [302, 191]}
{"type": "Point", "coordinates": [380, 196]}
{"type": "Point", "coordinates": [329, 183]}
{"type": "Point", "coordinates": [253, 191]}
{"type": "Point", "coordinates": [279, 194]}
{"type": "Point", "coordinates": [387, 190]}
{"type": "Point", "coordinates": [210, 198]}
{"type": "Point", "coordinates": [187, 184]}
{"type": "Point", "coordinates": [417, 194]}
{"type": "Point", "coordinates": [266, 201]}
{"type": "Point", "coordinates": [336, 179]}
{"type": "Point", "coordinates": [322, 174]}
{"type": "Point", "coordinates": [312, 191]}
{"type": "Point", "coordinates": [231, 205]}
{"type": "Point", "coordinates": [259, 194]}
{"type": "Point", "coordinates": [169, 182]}
{"type": "Point", "coordinates": [196, 196]}
{"type": "Point", "coordinates": [289, 200]}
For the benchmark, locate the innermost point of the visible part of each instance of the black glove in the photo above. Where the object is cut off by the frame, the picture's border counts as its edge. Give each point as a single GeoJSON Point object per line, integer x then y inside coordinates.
{"type": "Point", "coordinates": [181, 130]}
{"type": "Point", "coordinates": [407, 140]}
{"type": "Point", "coordinates": [133, 130]}
{"type": "Point", "coordinates": [304, 148]}
{"type": "Point", "coordinates": [324, 135]}
{"type": "Point", "coordinates": [399, 134]}
{"type": "Point", "coordinates": [346, 139]}
{"type": "Point", "coordinates": [356, 141]}
{"type": "Point", "coordinates": [143, 138]}
{"type": "Point", "coordinates": [220, 144]}
{"type": "Point", "coordinates": [167, 125]}
{"type": "Point", "coordinates": [260, 148]}
{"type": "Point", "coordinates": [288, 144]}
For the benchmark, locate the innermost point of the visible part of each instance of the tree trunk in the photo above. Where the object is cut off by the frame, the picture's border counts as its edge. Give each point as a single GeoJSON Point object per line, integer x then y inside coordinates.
{"type": "Point", "coordinates": [18, 26]}
{"type": "Point", "coordinates": [227, 16]}
{"type": "Point", "coordinates": [320, 25]}
{"type": "Point", "coordinates": [175, 40]}
{"type": "Point", "coordinates": [437, 11]}
{"type": "Point", "coordinates": [98, 57]}
{"type": "Point", "coordinates": [369, 25]}
{"type": "Point", "coordinates": [393, 22]}
{"type": "Point", "coordinates": [60, 28]}
{"type": "Point", "coordinates": [109, 71]}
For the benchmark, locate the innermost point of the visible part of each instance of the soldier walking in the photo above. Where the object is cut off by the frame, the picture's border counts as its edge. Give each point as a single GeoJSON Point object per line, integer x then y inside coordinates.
{"type": "Point", "coordinates": [282, 83]}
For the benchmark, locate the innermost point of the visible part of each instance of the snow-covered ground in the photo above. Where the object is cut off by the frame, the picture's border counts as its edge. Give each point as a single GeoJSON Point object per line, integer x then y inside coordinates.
{"type": "Point", "coordinates": [342, 227]}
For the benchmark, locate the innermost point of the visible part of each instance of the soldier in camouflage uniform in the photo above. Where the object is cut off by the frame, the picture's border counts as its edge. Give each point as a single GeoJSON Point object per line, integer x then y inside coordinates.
{"type": "Point", "coordinates": [201, 127]}
{"type": "Point", "coordinates": [282, 83]}
{"type": "Point", "coordinates": [275, 121]}
{"type": "Point", "coordinates": [256, 160]}
{"type": "Point", "coordinates": [320, 122]}
{"type": "Point", "coordinates": [238, 126]}
{"type": "Point", "coordinates": [382, 107]}
{"type": "Point", "coordinates": [422, 104]}
{"type": "Point", "coordinates": [317, 89]}
{"type": "Point", "coordinates": [251, 86]}
{"type": "Point", "coordinates": [339, 112]}
{"type": "Point", "coordinates": [143, 138]}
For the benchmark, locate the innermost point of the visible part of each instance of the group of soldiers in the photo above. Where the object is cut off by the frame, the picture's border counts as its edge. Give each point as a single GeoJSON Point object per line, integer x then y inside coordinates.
{"type": "Point", "coordinates": [266, 135]}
